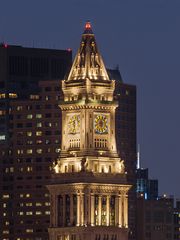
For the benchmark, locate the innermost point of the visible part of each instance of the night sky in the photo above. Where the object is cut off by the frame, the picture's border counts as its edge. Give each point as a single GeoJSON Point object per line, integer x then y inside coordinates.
{"type": "Point", "coordinates": [142, 37]}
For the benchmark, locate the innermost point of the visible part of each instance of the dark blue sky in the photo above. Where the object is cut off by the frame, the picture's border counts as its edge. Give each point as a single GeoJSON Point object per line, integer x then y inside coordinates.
{"type": "Point", "coordinates": [142, 37]}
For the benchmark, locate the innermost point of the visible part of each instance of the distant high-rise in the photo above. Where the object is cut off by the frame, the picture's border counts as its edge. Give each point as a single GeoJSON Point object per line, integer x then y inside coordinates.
{"type": "Point", "coordinates": [146, 187]}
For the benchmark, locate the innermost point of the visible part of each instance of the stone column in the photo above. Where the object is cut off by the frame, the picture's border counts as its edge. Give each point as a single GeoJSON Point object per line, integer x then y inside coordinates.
{"type": "Point", "coordinates": [125, 211]}
{"type": "Point", "coordinates": [99, 209]}
{"type": "Point", "coordinates": [120, 210]}
{"type": "Point", "coordinates": [107, 210]}
{"type": "Point", "coordinates": [92, 209]}
{"type": "Point", "coordinates": [71, 209]}
{"type": "Point", "coordinates": [82, 208]}
{"type": "Point", "coordinates": [116, 210]}
{"type": "Point", "coordinates": [85, 209]}
{"type": "Point", "coordinates": [64, 209]}
{"type": "Point", "coordinates": [78, 209]}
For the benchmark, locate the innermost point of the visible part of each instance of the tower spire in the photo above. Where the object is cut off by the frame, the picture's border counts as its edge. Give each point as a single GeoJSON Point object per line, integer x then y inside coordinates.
{"type": "Point", "coordinates": [88, 63]}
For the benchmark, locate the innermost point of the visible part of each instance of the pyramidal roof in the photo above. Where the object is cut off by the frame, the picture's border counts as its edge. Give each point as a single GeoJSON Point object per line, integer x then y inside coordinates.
{"type": "Point", "coordinates": [88, 62]}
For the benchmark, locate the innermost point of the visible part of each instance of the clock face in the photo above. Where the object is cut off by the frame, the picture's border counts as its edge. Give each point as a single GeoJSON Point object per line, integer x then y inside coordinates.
{"type": "Point", "coordinates": [101, 124]}
{"type": "Point", "coordinates": [74, 124]}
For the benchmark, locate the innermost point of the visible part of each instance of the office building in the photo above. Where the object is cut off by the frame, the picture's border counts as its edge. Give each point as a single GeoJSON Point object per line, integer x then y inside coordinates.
{"type": "Point", "coordinates": [177, 220]}
{"type": "Point", "coordinates": [146, 187]}
{"type": "Point", "coordinates": [29, 136]}
{"type": "Point", "coordinates": [155, 218]}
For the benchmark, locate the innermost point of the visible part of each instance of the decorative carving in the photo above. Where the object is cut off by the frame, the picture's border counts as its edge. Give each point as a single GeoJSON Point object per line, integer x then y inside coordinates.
{"type": "Point", "coordinates": [57, 166]}
{"type": "Point", "coordinates": [121, 166]}
{"type": "Point", "coordinates": [84, 164]}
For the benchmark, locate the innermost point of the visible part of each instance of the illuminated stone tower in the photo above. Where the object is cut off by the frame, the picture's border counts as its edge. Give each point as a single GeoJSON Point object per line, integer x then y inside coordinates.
{"type": "Point", "coordinates": [89, 190]}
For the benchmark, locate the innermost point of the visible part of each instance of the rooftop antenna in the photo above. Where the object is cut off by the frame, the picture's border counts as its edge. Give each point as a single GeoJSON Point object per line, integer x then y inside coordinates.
{"type": "Point", "coordinates": [138, 157]}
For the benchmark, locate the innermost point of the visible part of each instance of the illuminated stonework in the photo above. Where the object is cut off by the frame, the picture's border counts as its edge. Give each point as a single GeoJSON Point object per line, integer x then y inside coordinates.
{"type": "Point", "coordinates": [89, 190]}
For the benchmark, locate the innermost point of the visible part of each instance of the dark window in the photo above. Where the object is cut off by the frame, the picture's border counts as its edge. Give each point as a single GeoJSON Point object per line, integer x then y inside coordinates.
{"type": "Point", "coordinates": [28, 124]}
{"type": "Point", "coordinates": [48, 106]}
{"type": "Point", "coordinates": [47, 132]}
{"type": "Point", "coordinates": [47, 89]}
{"type": "Point", "coordinates": [18, 65]}
{"type": "Point", "coordinates": [39, 67]}
{"type": "Point", "coordinates": [19, 125]}
{"type": "Point", "coordinates": [47, 115]}
{"type": "Point", "coordinates": [38, 107]}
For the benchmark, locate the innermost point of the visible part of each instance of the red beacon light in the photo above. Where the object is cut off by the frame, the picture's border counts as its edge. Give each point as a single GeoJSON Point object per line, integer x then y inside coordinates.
{"type": "Point", "coordinates": [88, 25]}
{"type": "Point", "coordinates": [69, 50]}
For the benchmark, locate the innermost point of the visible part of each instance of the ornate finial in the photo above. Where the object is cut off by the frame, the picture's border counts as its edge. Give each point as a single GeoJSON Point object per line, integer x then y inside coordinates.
{"type": "Point", "coordinates": [88, 28]}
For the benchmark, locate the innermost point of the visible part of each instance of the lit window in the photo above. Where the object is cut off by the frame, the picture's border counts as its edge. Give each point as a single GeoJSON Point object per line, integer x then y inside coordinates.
{"type": "Point", "coordinates": [39, 141]}
{"type": "Point", "coordinates": [29, 116]}
{"type": "Point", "coordinates": [38, 115]}
{"type": "Point", "coordinates": [5, 196]}
{"type": "Point", "coordinates": [28, 204]}
{"type": "Point", "coordinates": [19, 108]}
{"type": "Point", "coordinates": [48, 124]}
{"type": "Point", "coordinates": [47, 203]}
{"type": "Point", "coordinates": [47, 212]}
{"type": "Point", "coordinates": [39, 133]}
{"type": "Point", "coordinates": [2, 137]}
{"type": "Point", "coordinates": [29, 134]}
{"type": "Point", "coordinates": [2, 112]}
{"type": "Point", "coordinates": [38, 212]}
{"type": "Point", "coordinates": [39, 124]}
{"type": "Point", "coordinates": [29, 169]}
{"type": "Point", "coordinates": [39, 150]}
{"type": "Point", "coordinates": [47, 141]}
{"type": "Point", "coordinates": [28, 195]}
{"type": "Point", "coordinates": [38, 204]}
{"type": "Point", "coordinates": [20, 151]}
{"type": "Point", "coordinates": [35, 97]}
{"type": "Point", "coordinates": [29, 230]}
{"type": "Point", "coordinates": [29, 151]}
{"type": "Point", "coordinates": [12, 95]}
{"type": "Point", "coordinates": [2, 95]}
{"type": "Point", "coordinates": [47, 98]}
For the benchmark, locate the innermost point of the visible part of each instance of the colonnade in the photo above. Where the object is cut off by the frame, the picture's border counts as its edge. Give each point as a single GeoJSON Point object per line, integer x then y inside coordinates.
{"type": "Point", "coordinates": [82, 209]}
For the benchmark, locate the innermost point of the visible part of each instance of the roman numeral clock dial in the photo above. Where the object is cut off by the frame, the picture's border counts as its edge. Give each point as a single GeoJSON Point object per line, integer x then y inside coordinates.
{"type": "Point", "coordinates": [101, 124]}
{"type": "Point", "coordinates": [74, 124]}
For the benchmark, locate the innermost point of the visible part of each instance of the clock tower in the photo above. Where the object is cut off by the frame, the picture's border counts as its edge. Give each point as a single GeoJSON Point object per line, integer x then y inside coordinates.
{"type": "Point", "coordinates": [89, 190]}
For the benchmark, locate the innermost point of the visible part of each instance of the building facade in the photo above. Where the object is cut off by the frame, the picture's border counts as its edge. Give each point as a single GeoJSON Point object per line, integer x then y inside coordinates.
{"type": "Point", "coordinates": [155, 219]}
{"type": "Point", "coordinates": [89, 189]}
{"type": "Point", "coordinates": [177, 220]}
{"type": "Point", "coordinates": [29, 137]}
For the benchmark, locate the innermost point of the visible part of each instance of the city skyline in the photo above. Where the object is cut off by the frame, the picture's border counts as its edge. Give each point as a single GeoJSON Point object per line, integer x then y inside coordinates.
{"type": "Point", "coordinates": [142, 38]}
